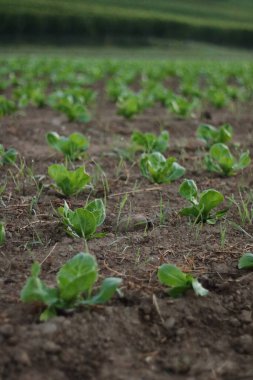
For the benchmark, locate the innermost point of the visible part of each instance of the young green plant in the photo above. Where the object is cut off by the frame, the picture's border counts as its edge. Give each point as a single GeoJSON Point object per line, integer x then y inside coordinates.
{"type": "Point", "coordinates": [220, 160]}
{"type": "Point", "coordinates": [72, 147]}
{"type": "Point", "coordinates": [74, 286]}
{"type": "Point", "coordinates": [83, 222]}
{"type": "Point", "coordinates": [158, 169]}
{"type": "Point", "coordinates": [69, 182]}
{"type": "Point", "coordinates": [178, 281]}
{"type": "Point", "coordinates": [149, 142]}
{"type": "Point", "coordinates": [202, 203]}
{"type": "Point", "coordinates": [246, 261]}
{"type": "Point", "coordinates": [211, 135]}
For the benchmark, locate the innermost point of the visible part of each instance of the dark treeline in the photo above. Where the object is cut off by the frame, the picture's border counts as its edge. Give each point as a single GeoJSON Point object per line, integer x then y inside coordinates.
{"type": "Point", "coordinates": [101, 30]}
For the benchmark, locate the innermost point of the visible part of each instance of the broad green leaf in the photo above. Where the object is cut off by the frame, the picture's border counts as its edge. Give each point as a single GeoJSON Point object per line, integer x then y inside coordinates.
{"type": "Point", "coordinates": [192, 212]}
{"type": "Point", "coordinates": [209, 199]}
{"type": "Point", "coordinates": [170, 275]}
{"type": "Point", "coordinates": [76, 276]}
{"type": "Point", "coordinates": [188, 190]}
{"type": "Point", "coordinates": [70, 182]}
{"type": "Point", "coordinates": [246, 261]}
{"type": "Point", "coordinates": [198, 288]}
{"type": "Point", "coordinates": [36, 291]}
{"type": "Point", "coordinates": [225, 134]}
{"type": "Point", "coordinates": [207, 133]}
{"type": "Point", "coordinates": [72, 147]}
{"type": "Point", "coordinates": [176, 172]}
{"type": "Point", "coordinates": [83, 222]}
{"type": "Point", "coordinates": [97, 208]}
{"type": "Point", "coordinates": [158, 169]}
{"type": "Point", "coordinates": [107, 290]}
{"type": "Point", "coordinates": [221, 154]}
{"type": "Point", "coordinates": [243, 162]}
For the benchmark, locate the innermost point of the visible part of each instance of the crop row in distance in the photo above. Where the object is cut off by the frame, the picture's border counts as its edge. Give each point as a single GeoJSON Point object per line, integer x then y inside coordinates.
{"type": "Point", "coordinates": [184, 89]}
{"type": "Point", "coordinates": [76, 278]}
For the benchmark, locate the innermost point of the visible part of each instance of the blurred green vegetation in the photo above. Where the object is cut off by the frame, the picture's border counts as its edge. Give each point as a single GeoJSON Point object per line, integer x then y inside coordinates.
{"type": "Point", "coordinates": [227, 22]}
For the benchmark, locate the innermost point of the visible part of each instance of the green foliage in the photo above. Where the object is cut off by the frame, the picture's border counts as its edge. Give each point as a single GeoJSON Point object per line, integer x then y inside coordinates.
{"type": "Point", "coordinates": [2, 233]}
{"type": "Point", "coordinates": [69, 182]}
{"type": "Point", "coordinates": [246, 261]}
{"type": "Point", "coordinates": [6, 106]}
{"type": "Point", "coordinates": [129, 104]}
{"type": "Point", "coordinates": [158, 169]}
{"type": "Point", "coordinates": [182, 106]}
{"type": "Point", "coordinates": [178, 281]}
{"type": "Point", "coordinates": [72, 147]}
{"type": "Point", "coordinates": [211, 135]}
{"type": "Point", "coordinates": [8, 156]}
{"type": "Point", "coordinates": [83, 222]}
{"type": "Point", "coordinates": [30, 93]}
{"type": "Point", "coordinates": [202, 203]}
{"type": "Point", "coordinates": [75, 282]}
{"type": "Point", "coordinates": [149, 142]}
{"type": "Point", "coordinates": [220, 160]}
{"type": "Point", "coordinates": [74, 107]}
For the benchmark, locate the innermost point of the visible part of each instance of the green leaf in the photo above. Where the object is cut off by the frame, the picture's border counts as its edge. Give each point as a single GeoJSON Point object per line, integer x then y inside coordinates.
{"type": "Point", "coordinates": [225, 134]}
{"type": "Point", "coordinates": [97, 208]}
{"type": "Point", "coordinates": [149, 142]}
{"type": "Point", "coordinates": [178, 291]}
{"type": "Point", "coordinates": [10, 156]}
{"type": "Point", "coordinates": [83, 222]}
{"type": "Point", "coordinates": [170, 275]}
{"type": "Point", "coordinates": [72, 147]}
{"type": "Point", "coordinates": [221, 154]}
{"type": "Point", "coordinates": [76, 276]}
{"type": "Point", "coordinates": [246, 261]}
{"type": "Point", "coordinates": [193, 212]}
{"type": "Point", "coordinates": [208, 200]}
{"type": "Point", "coordinates": [156, 168]}
{"type": "Point", "coordinates": [243, 162]}
{"type": "Point", "coordinates": [107, 290]}
{"type": "Point", "coordinates": [188, 190]}
{"type": "Point", "coordinates": [206, 133]}
{"type": "Point", "coordinates": [198, 288]}
{"type": "Point", "coordinates": [48, 313]}
{"type": "Point", "coordinates": [70, 182]}
{"type": "Point", "coordinates": [36, 291]}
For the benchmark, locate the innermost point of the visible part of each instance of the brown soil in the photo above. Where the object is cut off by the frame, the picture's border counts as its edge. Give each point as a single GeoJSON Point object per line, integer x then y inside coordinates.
{"type": "Point", "coordinates": [144, 334]}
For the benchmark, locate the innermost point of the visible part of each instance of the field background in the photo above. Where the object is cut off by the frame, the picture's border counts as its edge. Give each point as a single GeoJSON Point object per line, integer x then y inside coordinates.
{"type": "Point", "coordinates": [227, 22]}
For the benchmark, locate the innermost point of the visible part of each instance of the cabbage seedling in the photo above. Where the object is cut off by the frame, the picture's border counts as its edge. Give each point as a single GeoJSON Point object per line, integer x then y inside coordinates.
{"type": "Point", "coordinates": [203, 203]}
{"type": "Point", "coordinates": [2, 233]}
{"type": "Point", "coordinates": [158, 169]}
{"type": "Point", "coordinates": [72, 147]}
{"type": "Point", "coordinates": [129, 104]}
{"type": "Point", "coordinates": [71, 104]}
{"type": "Point", "coordinates": [220, 160]}
{"type": "Point", "coordinates": [178, 281]}
{"type": "Point", "coordinates": [69, 182]}
{"type": "Point", "coordinates": [211, 135]}
{"type": "Point", "coordinates": [8, 156]}
{"type": "Point", "coordinates": [246, 261]}
{"type": "Point", "coordinates": [74, 286]}
{"type": "Point", "coordinates": [182, 106]}
{"type": "Point", "coordinates": [149, 142]}
{"type": "Point", "coordinates": [83, 222]}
